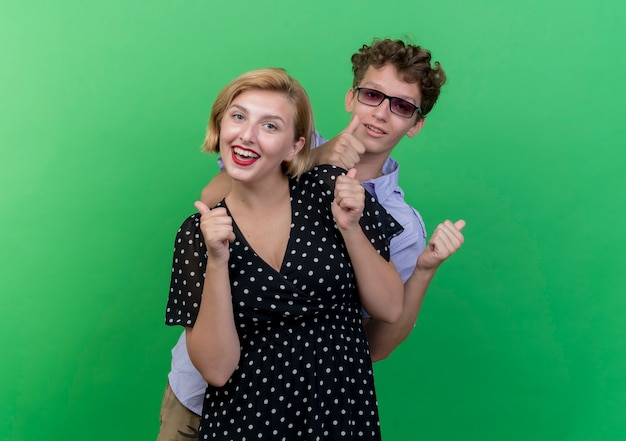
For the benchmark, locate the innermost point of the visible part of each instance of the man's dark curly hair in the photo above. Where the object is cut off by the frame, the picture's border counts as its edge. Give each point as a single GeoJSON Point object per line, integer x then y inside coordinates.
{"type": "Point", "coordinates": [412, 63]}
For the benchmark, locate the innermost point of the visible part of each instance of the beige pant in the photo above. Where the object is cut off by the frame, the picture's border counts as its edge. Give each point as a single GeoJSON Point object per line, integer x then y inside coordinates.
{"type": "Point", "coordinates": [177, 422]}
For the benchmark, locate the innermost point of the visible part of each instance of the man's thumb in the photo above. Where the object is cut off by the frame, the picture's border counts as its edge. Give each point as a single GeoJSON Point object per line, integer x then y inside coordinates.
{"type": "Point", "coordinates": [354, 124]}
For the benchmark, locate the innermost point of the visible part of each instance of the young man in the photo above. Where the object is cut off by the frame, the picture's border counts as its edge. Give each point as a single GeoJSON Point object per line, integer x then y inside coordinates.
{"type": "Point", "coordinates": [394, 88]}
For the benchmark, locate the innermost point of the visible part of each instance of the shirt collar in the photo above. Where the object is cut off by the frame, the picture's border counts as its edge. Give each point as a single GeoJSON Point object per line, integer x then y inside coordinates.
{"type": "Point", "coordinates": [384, 185]}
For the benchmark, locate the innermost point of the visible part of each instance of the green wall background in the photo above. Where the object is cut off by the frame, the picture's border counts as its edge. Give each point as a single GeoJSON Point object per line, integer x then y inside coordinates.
{"type": "Point", "coordinates": [103, 107]}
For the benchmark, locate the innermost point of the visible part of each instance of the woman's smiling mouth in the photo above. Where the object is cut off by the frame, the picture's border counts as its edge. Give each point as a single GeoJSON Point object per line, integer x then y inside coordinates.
{"type": "Point", "coordinates": [242, 156]}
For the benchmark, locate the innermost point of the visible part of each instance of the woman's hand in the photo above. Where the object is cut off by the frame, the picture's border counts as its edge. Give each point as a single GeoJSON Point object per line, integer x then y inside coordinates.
{"type": "Point", "coordinates": [349, 201]}
{"type": "Point", "coordinates": [217, 229]}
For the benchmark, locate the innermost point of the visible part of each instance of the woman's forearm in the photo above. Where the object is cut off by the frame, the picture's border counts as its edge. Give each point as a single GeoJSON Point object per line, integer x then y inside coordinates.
{"type": "Point", "coordinates": [213, 343]}
{"type": "Point", "coordinates": [379, 284]}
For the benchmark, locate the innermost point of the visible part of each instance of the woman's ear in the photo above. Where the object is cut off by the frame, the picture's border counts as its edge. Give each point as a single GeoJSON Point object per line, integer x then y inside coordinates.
{"type": "Point", "coordinates": [295, 148]}
{"type": "Point", "coordinates": [415, 128]}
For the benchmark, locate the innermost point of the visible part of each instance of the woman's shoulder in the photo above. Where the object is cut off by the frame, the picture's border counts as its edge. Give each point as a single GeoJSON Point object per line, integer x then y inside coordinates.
{"type": "Point", "coordinates": [193, 221]}
{"type": "Point", "coordinates": [190, 225]}
{"type": "Point", "coordinates": [322, 175]}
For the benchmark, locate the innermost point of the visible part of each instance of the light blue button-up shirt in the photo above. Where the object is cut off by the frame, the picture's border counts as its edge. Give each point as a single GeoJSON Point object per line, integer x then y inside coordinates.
{"type": "Point", "coordinates": [407, 246]}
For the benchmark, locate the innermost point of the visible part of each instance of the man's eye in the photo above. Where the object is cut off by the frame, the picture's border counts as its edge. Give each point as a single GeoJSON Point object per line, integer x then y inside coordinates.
{"type": "Point", "coordinates": [403, 106]}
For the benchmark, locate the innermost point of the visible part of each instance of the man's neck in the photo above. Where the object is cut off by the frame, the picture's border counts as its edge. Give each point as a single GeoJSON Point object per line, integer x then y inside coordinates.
{"type": "Point", "coordinates": [370, 167]}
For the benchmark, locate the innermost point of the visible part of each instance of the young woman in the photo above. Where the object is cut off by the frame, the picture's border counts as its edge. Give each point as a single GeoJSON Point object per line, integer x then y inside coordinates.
{"type": "Point", "coordinates": [265, 283]}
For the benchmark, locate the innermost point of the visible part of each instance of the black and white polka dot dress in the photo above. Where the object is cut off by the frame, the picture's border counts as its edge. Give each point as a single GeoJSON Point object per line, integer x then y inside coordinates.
{"type": "Point", "coordinates": [305, 371]}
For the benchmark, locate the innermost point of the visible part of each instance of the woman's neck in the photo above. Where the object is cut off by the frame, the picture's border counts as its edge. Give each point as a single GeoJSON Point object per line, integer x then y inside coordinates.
{"type": "Point", "coordinates": [258, 197]}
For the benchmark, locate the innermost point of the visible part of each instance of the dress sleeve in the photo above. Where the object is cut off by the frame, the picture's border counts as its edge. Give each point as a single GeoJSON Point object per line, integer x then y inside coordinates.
{"type": "Point", "coordinates": [378, 225]}
{"type": "Point", "coordinates": [188, 271]}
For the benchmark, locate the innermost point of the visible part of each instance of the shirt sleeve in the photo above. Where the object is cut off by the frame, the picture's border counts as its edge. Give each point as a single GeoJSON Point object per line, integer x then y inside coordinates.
{"type": "Point", "coordinates": [188, 271]}
{"type": "Point", "coordinates": [317, 140]}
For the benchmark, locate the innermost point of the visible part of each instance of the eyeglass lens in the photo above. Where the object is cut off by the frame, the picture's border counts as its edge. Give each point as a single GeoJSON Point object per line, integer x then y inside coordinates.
{"type": "Point", "coordinates": [372, 97]}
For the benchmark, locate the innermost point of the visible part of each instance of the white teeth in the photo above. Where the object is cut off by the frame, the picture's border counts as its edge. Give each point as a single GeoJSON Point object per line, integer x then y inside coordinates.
{"type": "Point", "coordinates": [374, 129]}
{"type": "Point", "coordinates": [245, 153]}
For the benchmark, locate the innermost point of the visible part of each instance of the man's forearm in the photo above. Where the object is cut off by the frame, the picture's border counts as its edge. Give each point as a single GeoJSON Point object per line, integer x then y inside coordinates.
{"type": "Point", "coordinates": [383, 337]}
{"type": "Point", "coordinates": [216, 189]}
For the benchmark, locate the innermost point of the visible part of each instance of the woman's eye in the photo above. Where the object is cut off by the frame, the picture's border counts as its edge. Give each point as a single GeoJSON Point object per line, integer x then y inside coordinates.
{"type": "Point", "coordinates": [238, 116]}
{"type": "Point", "coordinates": [271, 126]}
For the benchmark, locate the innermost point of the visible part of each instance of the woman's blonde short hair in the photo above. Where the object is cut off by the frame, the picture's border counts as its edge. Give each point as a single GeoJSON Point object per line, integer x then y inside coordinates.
{"type": "Point", "coordinates": [274, 80]}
